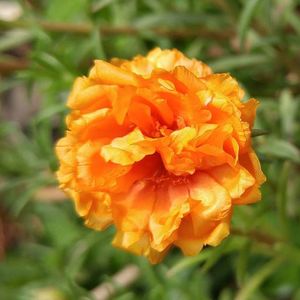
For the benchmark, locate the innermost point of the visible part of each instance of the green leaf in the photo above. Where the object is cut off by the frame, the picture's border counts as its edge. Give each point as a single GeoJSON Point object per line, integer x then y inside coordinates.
{"type": "Point", "coordinates": [189, 262]}
{"type": "Point", "coordinates": [173, 19]}
{"type": "Point", "coordinates": [238, 61]}
{"type": "Point", "coordinates": [96, 41]}
{"type": "Point", "coordinates": [71, 10]}
{"type": "Point", "coordinates": [245, 19]}
{"type": "Point", "coordinates": [288, 113]}
{"type": "Point", "coordinates": [258, 132]}
{"type": "Point", "coordinates": [226, 294]}
{"type": "Point", "coordinates": [293, 19]}
{"type": "Point", "coordinates": [280, 149]}
{"type": "Point", "coordinates": [242, 261]}
{"type": "Point", "coordinates": [99, 5]}
{"type": "Point", "coordinates": [60, 229]}
{"type": "Point", "coordinates": [258, 278]}
{"type": "Point", "coordinates": [50, 111]}
{"type": "Point", "coordinates": [281, 195]}
{"type": "Point", "coordinates": [21, 201]}
{"type": "Point", "coordinates": [226, 247]}
{"type": "Point", "coordinates": [14, 38]}
{"type": "Point", "coordinates": [195, 48]}
{"type": "Point", "coordinates": [150, 274]}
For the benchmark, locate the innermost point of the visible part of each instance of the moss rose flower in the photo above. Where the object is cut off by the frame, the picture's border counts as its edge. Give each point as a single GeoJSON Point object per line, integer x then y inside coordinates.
{"type": "Point", "coordinates": [160, 147]}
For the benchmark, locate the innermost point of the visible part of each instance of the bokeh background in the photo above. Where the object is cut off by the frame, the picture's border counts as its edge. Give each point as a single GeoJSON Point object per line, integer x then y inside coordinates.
{"type": "Point", "coordinates": [46, 253]}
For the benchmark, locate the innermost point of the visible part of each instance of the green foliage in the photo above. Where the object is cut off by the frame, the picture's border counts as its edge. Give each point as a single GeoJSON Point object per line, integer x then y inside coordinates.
{"type": "Point", "coordinates": [48, 250]}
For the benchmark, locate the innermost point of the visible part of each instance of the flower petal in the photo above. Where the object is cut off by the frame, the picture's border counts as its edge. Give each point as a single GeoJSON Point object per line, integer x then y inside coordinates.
{"type": "Point", "coordinates": [107, 73]}
{"type": "Point", "coordinates": [170, 206]}
{"type": "Point", "coordinates": [128, 149]}
{"type": "Point", "coordinates": [235, 180]}
{"type": "Point", "coordinates": [210, 200]}
{"type": "Point", "coordinates": [139, 245]}
{"type": "Point", "coordinates": [251, 163]}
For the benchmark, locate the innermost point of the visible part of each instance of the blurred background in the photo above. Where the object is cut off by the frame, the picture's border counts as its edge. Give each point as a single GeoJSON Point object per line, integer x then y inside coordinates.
{"type": "Point", "coordinates": [45, 251]}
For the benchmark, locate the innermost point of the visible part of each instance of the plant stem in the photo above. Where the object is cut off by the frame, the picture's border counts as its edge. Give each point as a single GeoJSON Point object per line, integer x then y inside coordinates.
{"type": "Point", "coordinates": [257, 236]}
{"type": "Point", "coordinates": [85, 28]}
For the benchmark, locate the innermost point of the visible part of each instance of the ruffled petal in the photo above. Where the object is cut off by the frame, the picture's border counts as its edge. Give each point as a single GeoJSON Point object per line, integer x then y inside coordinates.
{"type": "Point", "coordinates": [209, 199]}
{"type": "Point", "coordinates": [92, 170]}
{"type": "Point", "coordinates": [223, 85]}
{"type": "Point", "coordinates": [65, 151]}
{"type": "Point", "coordinates": [104, 72]}
{"type": "Point", "coordinates": [187, 241]}
{"type": "Point", "coordinates": [191, 241]}
{"type": "Point", "coordinates": [139, 245]}
{"type": "Point", "coordinates": [128, 149]}
{"type": "Point", "coordinates": [94, 207]}
{"type": "Point", "coordinates": [171, 205]}
{"type": "Point", "coordinates": [251, 163]}
{"type": "Point", "coordinates": [92, 97]}
{"type": "Point", "coordinates": [132, 210]}
{"type": "Point", "coordinates": [170, 59]}
{"type": "Point", "coordinates": [235, 180]}
{"type": "Point", "coordinates": [248, 111]}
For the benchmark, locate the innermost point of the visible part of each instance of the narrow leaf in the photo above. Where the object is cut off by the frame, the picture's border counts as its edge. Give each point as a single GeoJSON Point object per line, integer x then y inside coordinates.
{"type": "Point", "coordinates": [255, 281]}
{"type": "Point", "coordinates": [238, 61]}
{"type": "Point", "coordinates": [245, 19]}
{"type": "Point", "coordinates": [258, 132]}
{"type": "Point", "coordinates": [288, 113]}
{"type": "Point", "coordinates": [189, 262]}
{"type": "Point", "coordinates": [280, 149]}
{"type": "Point", "coordinates": [281, 195]}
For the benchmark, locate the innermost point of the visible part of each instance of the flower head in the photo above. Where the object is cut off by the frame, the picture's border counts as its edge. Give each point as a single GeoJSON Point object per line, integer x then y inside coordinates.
{"type": "Point", "coordinates": [160, 147]}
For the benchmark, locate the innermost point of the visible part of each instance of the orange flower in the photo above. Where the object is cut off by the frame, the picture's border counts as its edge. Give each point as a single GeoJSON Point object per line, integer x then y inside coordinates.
{"type": "Point", "coordinates": [160, 147]}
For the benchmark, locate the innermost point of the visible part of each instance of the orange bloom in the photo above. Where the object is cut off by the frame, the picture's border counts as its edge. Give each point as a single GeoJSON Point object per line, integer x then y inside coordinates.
{"type": "Point", "coordinates": [160, 147]}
